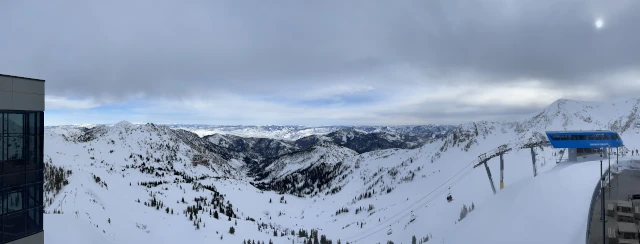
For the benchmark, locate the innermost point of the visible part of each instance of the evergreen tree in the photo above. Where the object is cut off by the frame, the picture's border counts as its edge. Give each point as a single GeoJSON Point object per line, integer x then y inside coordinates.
{"type": "Point", "coordinates": [414, 240]}
{"type": "Point", "coordinates": [215, 214]}
{"type": "Point", "coordinates": [232, 230]}
{"type": "Point", "coordinates": [463, 212]}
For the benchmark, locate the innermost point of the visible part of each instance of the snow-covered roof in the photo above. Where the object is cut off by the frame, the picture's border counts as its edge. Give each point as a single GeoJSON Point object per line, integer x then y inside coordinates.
{"type": "Point", "coordinates": [625, 204]}
{"type": "Point", "coordinates": [627, 241]}
{"type": "Point", "coordinates": [627, 227]}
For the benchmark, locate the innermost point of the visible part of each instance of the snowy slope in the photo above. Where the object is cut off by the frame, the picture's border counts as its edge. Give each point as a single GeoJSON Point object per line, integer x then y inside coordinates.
{"type": "Point", "coordinates": [553, 206]}
{"type": "Point", "coordinates": [401, 191]}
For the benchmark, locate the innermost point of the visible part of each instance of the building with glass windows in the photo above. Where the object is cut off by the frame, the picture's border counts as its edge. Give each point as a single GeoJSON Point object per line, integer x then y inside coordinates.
{"type": "Point", "coordinates": [585, 143]}
{"type": "Point", "coordinates": [21, 160]}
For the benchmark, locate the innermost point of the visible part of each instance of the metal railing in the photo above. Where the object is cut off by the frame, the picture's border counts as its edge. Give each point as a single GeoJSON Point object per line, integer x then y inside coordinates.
{"type": "Point", "coordinates": [594, 198]}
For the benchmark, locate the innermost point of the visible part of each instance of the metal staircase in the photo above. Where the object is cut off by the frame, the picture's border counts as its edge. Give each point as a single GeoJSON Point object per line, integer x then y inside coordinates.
{"type": "Point", "coordinates": [561, 155]}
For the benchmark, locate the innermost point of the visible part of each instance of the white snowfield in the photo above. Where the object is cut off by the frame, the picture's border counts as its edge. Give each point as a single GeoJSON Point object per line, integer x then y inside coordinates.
{"type": "Point", "coordinates": [408, 188]}
{"type": "Point", "coordinates": [551, 208]}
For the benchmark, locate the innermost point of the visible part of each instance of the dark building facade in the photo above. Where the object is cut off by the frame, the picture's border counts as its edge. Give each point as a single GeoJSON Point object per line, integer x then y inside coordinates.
{"type": "Point", "coordinates": [21, 160]}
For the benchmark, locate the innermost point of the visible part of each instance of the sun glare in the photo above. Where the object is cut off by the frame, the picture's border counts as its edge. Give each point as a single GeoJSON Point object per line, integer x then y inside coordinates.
{"type": "Point", "coordinates": [599, 23]}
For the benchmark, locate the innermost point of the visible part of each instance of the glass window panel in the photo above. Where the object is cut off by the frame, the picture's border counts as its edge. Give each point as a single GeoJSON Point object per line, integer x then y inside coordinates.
{"type": "Point", "coordinates": [40, 123]}
{"type": "Point", "coordinates": [14, 161]}
{"type": "Point", "coordinates": [13, 166]}
{"type": "Point", "coordinates": [3, 124]}
{"type": "Point", "coordinates": [14, 179]}
{"type": "Point", "coordinates": [33, 129]}
{"type": "Point", "coordinates": [31, 159]}
{"type": "Point", "coordinates": [34, 220]}
{"type": "Point", "coordinates": [13, 200]}
{"type": "Point", "coordinates": [39, 142]}
{"type": "Point", "coordinates": [14, 226]}
{"type": "Point", "coordinates": [32, 194]}
{"type": "Point", "coordinates": [41, 213]}
{"type": "Point", "coordinates": [15, 123]}
{"type": "Point", "coordinates": [15, 144]}
{"type": "Point", "coordinates": [39, 194]}
{"type": "Point", "coordinates": [33, 176]}
{"type": "Point", "coordinates": [39, 160]}
{"type": "Point", "coordinates": [3, 149]}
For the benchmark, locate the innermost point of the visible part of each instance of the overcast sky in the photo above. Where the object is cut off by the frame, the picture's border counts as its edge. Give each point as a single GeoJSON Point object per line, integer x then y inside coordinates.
{"type": "Point", "coordinates": [319, 62]}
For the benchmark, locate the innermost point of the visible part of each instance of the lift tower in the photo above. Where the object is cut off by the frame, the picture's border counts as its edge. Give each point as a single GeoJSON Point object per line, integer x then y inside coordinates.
{"type": "Point", "coordinates": [484, 158]}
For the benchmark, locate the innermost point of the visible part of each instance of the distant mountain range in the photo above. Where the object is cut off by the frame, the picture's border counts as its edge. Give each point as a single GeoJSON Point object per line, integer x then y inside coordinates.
{"type": "Point", "coordinates": [295, 132]}
{"type": "Point", "coordinates": [355, 183]}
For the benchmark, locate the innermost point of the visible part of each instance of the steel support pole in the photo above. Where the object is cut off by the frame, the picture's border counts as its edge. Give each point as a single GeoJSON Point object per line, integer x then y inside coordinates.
{"type": "Point", "coordinates": [533, 159]}
{"type": "Point", "coordinates": [609, 158]}
{"type": "Point", "coordinates": [490, 179]}
{"type": "Point", "coordinates": [604, 220]}
{"type": "Point", "coordinates": [501, 172]}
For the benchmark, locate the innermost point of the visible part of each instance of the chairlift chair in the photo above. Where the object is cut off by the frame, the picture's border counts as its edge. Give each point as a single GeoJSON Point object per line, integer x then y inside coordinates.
{"type": "Point", "coordinates": [389, 232]}
{"type": "Point", "coordinates": [413, 218]}
{"type": "Point", "coordinates": [449, 197]}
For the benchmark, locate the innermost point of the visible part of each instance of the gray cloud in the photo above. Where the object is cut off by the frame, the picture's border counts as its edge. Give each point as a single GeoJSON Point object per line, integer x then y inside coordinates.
{"type": "Point", "coordinates": [112, 50]}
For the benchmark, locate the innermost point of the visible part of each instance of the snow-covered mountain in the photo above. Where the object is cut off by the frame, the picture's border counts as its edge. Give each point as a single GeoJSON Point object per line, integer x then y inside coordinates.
{"type": "Point", "coordinates": [137, 183]}
{"type": "Point", "coordinates": [295, 132]}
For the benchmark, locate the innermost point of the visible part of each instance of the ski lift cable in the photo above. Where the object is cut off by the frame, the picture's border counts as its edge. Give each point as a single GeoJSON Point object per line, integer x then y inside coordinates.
{"type": "Point", "coordinates": [442, 191]}
{"type": "Point", "coordinates": [421, 199]}
{"type": "Point", "coordinates": [421, 206]}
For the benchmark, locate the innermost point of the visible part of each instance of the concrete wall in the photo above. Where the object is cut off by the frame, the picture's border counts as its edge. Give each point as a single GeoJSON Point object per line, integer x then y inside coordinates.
{"type": "Point", "coordinates": [37, 238]}
{"type": "Point", "coordinates": [21, 94]}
